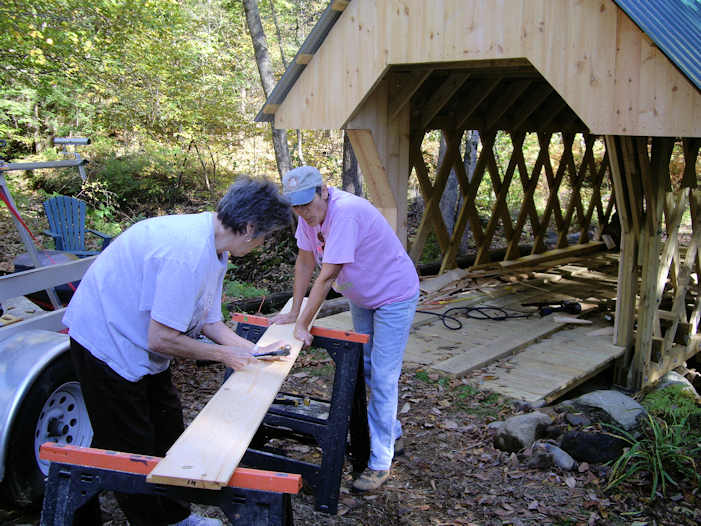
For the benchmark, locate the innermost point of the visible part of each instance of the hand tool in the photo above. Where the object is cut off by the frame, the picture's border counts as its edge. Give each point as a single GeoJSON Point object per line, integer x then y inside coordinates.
{"type": "Point", "coordinates": [548, 307]}
{"type": "Point", "coordinates": [282, 351]}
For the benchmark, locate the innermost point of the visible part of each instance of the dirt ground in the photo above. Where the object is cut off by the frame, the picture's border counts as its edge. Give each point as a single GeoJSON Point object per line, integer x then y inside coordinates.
{"type": "Point", "coordinates": [450, 475]}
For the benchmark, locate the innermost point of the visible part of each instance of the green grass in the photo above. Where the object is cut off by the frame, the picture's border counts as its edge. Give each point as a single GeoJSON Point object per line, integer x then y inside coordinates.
{"type": "Point", "coordinates": [239, 289]}
{"type": "Point", "coordinates": [669, 448]}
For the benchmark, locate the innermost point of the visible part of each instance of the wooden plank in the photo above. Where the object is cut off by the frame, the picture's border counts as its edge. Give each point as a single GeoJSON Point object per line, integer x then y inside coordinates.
{"type": "Point", "coordinates": [375, 175]}
{"type": "Point", "coordinates": [437, 283]}
{"type": "Point", "coordinates": [210, 449]}
{"type": "Point", "coordinates": [408, 87]}
{"type": "Point", "coordinates": [500, 348]}
{"type": "Point", "coordinates": [442, 96]}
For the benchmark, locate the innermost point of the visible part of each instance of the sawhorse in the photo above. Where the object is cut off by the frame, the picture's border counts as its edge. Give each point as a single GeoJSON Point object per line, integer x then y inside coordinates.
{"type": "Point", "coordinates": [253, 497]}
{"type": "Point", "coordinates": [326, 422]}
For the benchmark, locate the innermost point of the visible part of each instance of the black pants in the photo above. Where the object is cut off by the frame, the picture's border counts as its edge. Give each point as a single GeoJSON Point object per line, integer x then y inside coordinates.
{"type": "Point", "coordinates": [134, 417]}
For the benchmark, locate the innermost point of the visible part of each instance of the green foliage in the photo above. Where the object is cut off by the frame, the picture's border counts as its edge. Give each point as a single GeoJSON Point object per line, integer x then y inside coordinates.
{"type": "Point", "coordinates": [670, 445]}
{"type": "Point", "coordinates": [431, 251]}
{"type": "Point", "coordinates": [673, 403]}
{"type": "Point", "coordinates": [238, 289]}
{"type": "Point", "coordinates": [661, 456]}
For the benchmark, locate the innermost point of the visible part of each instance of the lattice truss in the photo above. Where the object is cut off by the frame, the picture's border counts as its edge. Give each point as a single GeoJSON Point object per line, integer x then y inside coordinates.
{"type": "Point", "coordinates": [565, 207]}
{"type": "Point", "coordinates": [658, 305]}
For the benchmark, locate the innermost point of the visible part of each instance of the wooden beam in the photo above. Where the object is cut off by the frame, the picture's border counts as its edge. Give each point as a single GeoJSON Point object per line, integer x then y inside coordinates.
{"type": "Point", "coordinates": [439, 227]}
{"type": "Point", "coordinates": [691, 151]}
{"type": "Point", "coordinates": [210, 449]}
{"type": "Point", "coordinates": [528, 208]}
{"type": "Point", "coordinates": [442, 96]}
{"type": "Point", "coordinates": [530, 106]}
{"type": "Point", "coordinates": [476, 95]}
{"type": "Point", "coordinates": [408, 85]}
{"type": "Point", "coordinates": [505, 101]}
{"type": "Point", "coordinates": [500, 208]}
{"type": "Point", "coordinates": [375, 175]}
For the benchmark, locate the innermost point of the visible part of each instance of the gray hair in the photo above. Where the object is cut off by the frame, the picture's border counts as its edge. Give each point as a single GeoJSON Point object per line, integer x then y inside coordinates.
{"type": "Point", "coordinates": [254, 202]}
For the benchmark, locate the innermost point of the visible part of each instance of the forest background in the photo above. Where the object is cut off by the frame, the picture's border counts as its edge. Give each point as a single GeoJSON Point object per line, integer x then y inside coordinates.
{"type": "Point", "coordinates": [166, 90]}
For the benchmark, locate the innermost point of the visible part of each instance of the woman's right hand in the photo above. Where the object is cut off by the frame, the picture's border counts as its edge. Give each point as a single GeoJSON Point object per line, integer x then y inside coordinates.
{"type": "Point", "coordinates": [237, 358]}
{"type": "Point", "coordinates": [284, 318]}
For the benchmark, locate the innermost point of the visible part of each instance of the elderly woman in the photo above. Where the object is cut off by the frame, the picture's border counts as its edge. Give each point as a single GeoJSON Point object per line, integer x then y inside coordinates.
{"type": "Point", "coordinates": [144, 301]}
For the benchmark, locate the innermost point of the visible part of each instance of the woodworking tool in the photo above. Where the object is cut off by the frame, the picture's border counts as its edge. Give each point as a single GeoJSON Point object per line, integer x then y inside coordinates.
{"type": "Point", "coordinates": [282, 351]}
{"type": "Point", "coordinates": [548, 307]}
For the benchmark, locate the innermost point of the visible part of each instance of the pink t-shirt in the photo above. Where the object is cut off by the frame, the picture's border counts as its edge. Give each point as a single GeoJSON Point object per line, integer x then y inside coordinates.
{"type": "Point", "coordinates": [376, 268]}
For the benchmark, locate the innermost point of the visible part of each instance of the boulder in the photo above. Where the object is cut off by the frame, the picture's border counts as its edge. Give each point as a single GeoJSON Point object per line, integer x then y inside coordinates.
{"type": "Point", "coordinates": [545, 455]}
{"type": "Point", "coordinates": [611, 407]}
{"type": "Point", "coordinates": [593, 447]}
{"type": "Point", "coordinates": [519, 432]}
{"type": "Point", "coordinates": [674, 378]}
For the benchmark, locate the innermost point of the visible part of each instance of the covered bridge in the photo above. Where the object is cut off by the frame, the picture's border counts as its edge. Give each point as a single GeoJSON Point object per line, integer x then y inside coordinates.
{"type": "Point", "coordinates": [624, 74]}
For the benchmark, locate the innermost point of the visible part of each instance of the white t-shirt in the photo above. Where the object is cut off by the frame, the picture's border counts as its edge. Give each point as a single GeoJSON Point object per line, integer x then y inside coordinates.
{"type": "Point", "coordinates": [166, 269]}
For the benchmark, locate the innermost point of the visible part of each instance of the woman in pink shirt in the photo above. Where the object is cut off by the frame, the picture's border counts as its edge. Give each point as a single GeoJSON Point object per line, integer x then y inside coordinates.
{"type": "Point", "coordinates": [360, 257]}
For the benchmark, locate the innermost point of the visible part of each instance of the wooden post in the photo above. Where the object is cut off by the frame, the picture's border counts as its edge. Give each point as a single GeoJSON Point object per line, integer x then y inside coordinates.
{"type": "Point", "coordinates": [381, 145]}
{"type": "Point", "coordinates": [627, 268]}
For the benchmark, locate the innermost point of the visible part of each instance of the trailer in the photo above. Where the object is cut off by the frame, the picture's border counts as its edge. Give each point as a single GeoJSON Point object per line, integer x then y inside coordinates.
{"type": "Point", "coordinates": [40, 396]}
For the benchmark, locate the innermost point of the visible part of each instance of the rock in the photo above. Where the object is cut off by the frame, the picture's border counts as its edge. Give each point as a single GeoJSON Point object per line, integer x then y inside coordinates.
{"type": "Point", "coordinates": [592, 447]}
{"type": "Point", "coordinates": [519, 432]}
{"type": "Point", "coordinates": [611, 407]}
{"type": "Point", "coordinates": [673, 378]}
{"type": "Point", "coordinates": [577, 420]}
{"type": "Point", "coordinates": [554, 431]}
{"type": "Point", "coordinates": [545, 455]}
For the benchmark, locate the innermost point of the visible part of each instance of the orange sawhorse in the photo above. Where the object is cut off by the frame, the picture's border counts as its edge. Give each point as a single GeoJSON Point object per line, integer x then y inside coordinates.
{"type": "Point", "coordinates": [326, 424]}
{"type": "Point", "coordinates": [252, 497]}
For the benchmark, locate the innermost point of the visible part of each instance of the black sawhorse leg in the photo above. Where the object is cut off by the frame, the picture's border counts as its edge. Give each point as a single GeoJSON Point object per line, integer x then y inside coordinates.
{"type": "Point", "coordinates": [70, 486]}
{"type": "Point", "coordinates": [327, 422]}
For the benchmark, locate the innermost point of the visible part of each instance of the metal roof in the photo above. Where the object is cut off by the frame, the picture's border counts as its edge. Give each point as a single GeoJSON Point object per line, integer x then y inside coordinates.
{"type": "Point", "coordinates": [309, 47]}
{"type": "Point", "coordinates": [675, 27]}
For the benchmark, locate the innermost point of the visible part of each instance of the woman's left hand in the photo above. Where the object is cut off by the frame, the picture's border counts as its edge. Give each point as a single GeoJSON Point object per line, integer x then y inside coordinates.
{"type": "Point", "coordinates": [302, 334]}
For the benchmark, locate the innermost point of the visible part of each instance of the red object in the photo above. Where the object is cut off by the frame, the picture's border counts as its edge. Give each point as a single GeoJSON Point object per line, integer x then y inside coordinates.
{"type": "Point", "coordinates": [347, 336]}
{"type": "Point", "coordinates": [143, 464]}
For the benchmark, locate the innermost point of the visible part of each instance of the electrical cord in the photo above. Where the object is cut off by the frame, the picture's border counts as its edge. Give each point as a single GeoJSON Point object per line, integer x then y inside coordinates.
{"type": "Point", "coordinates": [484, 312]}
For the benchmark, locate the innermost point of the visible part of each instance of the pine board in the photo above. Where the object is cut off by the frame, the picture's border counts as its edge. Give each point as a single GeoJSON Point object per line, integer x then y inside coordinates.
{"type": "Point", "coordinates": [553, 366]}
{"type": "Point", "coordinates": [210, 449]}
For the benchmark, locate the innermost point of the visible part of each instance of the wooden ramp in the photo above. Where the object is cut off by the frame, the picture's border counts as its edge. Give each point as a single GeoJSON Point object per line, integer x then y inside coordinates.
{"type": "Point", "coordinates": [553, 357]}
{"type": "Point", "coordinates": [548, 369]}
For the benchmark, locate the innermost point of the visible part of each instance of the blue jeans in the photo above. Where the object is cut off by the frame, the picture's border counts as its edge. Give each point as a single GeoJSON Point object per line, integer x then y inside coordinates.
{"type": "Point", "coordinates": [388, 328]}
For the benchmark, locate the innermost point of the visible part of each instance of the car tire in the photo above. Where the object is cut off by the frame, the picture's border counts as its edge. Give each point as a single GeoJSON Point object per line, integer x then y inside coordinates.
{"type": "Point", "coordinates": [52, 410]}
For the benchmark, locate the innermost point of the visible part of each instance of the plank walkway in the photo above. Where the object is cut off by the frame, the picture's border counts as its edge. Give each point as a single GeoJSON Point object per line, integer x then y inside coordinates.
{"type": "Point", "coordinates": [544, 359]}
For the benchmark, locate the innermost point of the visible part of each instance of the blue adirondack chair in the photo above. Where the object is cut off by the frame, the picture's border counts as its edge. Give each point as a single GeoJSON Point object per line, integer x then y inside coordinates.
{"type": "Point", "coordinates": [66, 217]}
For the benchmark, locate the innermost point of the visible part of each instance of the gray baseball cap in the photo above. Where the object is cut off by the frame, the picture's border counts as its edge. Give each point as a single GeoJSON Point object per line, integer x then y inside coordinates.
{"type": "Point", "coordinates": [299, 184]}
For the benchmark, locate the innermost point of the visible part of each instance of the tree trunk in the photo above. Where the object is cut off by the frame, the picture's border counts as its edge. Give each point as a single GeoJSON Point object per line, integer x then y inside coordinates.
{"type": "Point", "coordinates": [451, 200]}
{"type": "Point", "coordinates": [260, 47]}
{"type": "Point", "coordinates": [351, 177]}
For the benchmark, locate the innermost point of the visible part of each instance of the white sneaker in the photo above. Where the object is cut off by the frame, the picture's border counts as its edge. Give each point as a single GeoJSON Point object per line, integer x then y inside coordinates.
{"type": "Point", "coordinates": [198, 520]}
